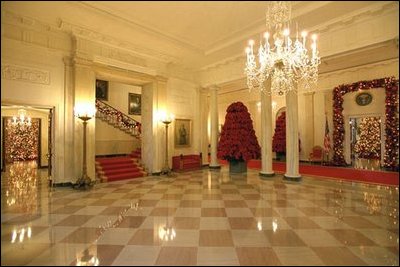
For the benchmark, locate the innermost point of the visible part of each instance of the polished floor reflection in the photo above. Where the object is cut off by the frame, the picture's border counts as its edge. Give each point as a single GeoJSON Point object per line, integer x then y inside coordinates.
{"type": "Point", "coordinates": [198, 218]}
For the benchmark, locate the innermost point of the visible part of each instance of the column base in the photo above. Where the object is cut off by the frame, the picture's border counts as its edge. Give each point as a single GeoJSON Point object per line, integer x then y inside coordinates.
{"type": "Point", "coordinates": [264, 175]}
{"type": "Point", "coordinates": [292, 178]}
{"type": "Point", "coordinates": [84, 183]}
{"type": "Point", "coordinates": [216, 167]}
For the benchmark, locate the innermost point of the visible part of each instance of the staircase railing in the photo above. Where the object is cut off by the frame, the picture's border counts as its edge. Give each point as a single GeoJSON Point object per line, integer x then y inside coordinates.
{"type": "Point", "coordinates": [118, 119]}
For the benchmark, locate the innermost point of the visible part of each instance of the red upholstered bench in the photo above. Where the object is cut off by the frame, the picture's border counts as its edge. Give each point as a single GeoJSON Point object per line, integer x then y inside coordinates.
{"type": "Point", "coordinates": [186, 162]}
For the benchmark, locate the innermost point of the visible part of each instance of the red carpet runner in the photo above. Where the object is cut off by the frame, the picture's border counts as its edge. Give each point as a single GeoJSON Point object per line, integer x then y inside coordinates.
{"type": "Point", "coordinates": [377, 177]}
{"type": "Point", "coordinates": [119, 168]}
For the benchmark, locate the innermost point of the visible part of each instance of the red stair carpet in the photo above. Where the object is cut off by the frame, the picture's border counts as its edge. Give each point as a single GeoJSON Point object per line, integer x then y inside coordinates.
{"type": "Point", "coordinates": [119, 168]}
{"type": "Point", "coordinates": [376, 177]}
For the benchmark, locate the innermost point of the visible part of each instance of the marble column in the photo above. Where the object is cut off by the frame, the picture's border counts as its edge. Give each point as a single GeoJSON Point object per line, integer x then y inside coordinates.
{"type": "Point", "coordinates": [266, 133]}
{"type": "Point", "coordinates": [292, 137]}
{"type": "Point", "coordinates": [203, 125]}
{"type": "Point", "coordinates": [84, 94]}
{"type": "Point", "coordinates": [214, 126]}
{"type": "Point", "coordinates": [154, 99]}
{"type": "Point", "coordinates": [67, 174]}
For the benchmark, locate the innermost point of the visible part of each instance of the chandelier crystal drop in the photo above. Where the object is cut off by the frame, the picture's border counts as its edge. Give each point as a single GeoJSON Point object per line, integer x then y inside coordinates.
{"type": "Point", "coordinates": [288, 62]}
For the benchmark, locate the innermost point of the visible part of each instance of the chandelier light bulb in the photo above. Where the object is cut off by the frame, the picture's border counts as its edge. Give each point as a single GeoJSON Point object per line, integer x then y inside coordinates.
{"type": "Point", "coordinates": [266, 35]}
{"type": "Point", "coordinates": [314, 37]}
{"type": "Point", "coordinates": [286, 32]}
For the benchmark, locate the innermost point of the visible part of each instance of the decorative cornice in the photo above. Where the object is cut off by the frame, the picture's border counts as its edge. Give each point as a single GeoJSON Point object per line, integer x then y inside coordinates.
{"type": "Point", "coordinates": [123, 65]}
{"type": "Point", "coordinates": [336, 24]}
{"type": "Point", "coordinates": [381, 7]}
{"type": "Point", "coordinates": [146, 28]}
{"type": "Point", "coordinates": [25, 74]}
{"type": "Point", "coordinates": [363, 67]}
{"type": "Point", "coordinates": [113, 42]}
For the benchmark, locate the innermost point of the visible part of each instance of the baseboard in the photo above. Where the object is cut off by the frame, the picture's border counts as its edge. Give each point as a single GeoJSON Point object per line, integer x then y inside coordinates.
{"type": "Point", "coordinates": [112, 155]}
{"type": "Point", "coordinates": [68, 184]}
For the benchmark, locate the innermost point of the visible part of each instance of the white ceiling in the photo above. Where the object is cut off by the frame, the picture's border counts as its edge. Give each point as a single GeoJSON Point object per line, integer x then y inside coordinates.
{"type": "Point", "coordinates": [204, 25]}
{"type": "Point", "coordinates": [196, 33]}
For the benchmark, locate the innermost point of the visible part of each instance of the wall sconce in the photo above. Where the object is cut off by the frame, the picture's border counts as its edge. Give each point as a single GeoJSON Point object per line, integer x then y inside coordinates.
{"type": "Point", "coordinates": [84, 112]}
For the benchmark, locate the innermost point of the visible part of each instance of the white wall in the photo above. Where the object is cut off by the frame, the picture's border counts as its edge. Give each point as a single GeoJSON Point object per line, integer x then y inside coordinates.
{"type": "Point", "coordinates": [111, 140]}
{"type": "Point", "coordinates": [183, 101]}
{"type": "Point", "coordinates": [43, 115]}
{"type": "Point", "coordinates": [34, 76]}
{"type": "Point", "coordinates": [118, 97]}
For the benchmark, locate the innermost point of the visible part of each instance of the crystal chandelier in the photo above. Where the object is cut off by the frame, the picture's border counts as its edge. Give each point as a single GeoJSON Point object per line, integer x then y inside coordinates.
{"type": "Point", "coordinates": [22, 119]}
{"type": "Point", "coordinates": [287, 62]}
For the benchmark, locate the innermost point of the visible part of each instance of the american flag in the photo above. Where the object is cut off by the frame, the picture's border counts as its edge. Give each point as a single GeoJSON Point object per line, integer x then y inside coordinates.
{"type": "Point", "coordinates": [327, 140]}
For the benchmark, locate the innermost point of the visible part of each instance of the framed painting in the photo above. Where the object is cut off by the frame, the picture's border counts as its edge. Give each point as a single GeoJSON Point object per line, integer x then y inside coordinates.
{"type": "Point", "coordinates": [134, 104]}
{"type": "Point", "coordinates": [183, 133]}
{"type": "Point", "coordinates": [102, 90]}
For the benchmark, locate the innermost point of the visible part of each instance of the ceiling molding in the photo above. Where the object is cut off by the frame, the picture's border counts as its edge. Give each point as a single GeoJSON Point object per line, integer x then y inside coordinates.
{"type": "Point", "coordinates": [255, 28]}
{"type": "Point", "coordinates": [123, 65]}
{"type": "Point", "coordinates": [113, 42]}
{"type": "Point", "coordinates": [144, 28]}
{"type": "Point", "coordinates": [356, 16]}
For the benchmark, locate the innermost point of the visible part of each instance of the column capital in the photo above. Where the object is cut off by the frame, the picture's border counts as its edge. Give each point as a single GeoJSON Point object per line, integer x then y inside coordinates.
{"type": "Point", "coordinates": [213, 87]}
{"type": "Point", "coordinates": [82, 61]}
{"type": "Point", "coordinates": [68, 61]}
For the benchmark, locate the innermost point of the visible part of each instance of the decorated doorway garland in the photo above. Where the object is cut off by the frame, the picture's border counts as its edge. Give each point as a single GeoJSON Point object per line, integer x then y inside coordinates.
{"type": "Point", "coordinates": [391, 86]}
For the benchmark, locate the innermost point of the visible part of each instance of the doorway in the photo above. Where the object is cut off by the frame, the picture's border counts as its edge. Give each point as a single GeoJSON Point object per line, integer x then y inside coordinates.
{"type": "Point", "coordinates": [27, 138]}
{"type": "Point", "coordinates": [366, 142]}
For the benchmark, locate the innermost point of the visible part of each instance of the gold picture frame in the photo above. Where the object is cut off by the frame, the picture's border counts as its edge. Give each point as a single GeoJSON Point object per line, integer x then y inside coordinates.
{"type": "Point", "coordinates": [183, 133]}
{"type": "Point", "coordinates": [134, 104]}
{"type": "Point", "coordinates": [102, 90]}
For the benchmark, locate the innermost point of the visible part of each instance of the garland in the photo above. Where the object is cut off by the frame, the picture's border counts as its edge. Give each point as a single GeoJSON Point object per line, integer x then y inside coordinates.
{"type": "Point", "coordinates": [391, 86]}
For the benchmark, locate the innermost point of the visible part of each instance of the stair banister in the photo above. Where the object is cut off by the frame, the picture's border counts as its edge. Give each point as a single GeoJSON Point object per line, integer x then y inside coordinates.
{"type": "Point", "coordinates": [118, 119]}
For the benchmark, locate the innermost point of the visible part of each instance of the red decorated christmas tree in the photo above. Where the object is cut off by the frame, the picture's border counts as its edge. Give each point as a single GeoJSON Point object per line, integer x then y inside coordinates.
{"type": "Point", "coordinates": [279, 138]}
{"type": "Point", "coordinates": [238, 139]}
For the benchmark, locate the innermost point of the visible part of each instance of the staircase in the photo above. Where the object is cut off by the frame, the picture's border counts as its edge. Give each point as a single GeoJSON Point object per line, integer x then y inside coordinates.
{"type": "Point", "coordinates": [121, 167]}
{"type": "Point", "coordinates": [117, 119]}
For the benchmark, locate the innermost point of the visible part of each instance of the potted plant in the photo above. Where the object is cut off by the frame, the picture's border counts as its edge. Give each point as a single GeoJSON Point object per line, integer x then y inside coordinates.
{"type": "Point", "coordinates": [238, 142]}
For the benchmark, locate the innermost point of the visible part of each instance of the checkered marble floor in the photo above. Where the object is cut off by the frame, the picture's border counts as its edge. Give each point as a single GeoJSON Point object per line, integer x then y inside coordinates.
{"type": "Point", "coordinates": [201, 218]}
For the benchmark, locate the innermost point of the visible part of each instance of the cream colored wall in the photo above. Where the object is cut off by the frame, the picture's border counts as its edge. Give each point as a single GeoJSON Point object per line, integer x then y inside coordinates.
{"type": "Point", "coordinates": [183, 98]}
{"type": "Point", "coordinates": [44, 128]}
{"type": "Point", "coordinates": [34, 76]}
{"type": "Point", "coordinates": [111, 140]}
{"type": "Point", "coordinates": [118, 97]}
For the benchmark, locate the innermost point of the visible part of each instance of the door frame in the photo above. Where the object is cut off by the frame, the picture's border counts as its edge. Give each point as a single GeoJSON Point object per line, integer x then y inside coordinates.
{"type": "Point", "coordinates": [51, 133]}
{"type": "Point", "coordinates": [347, 143]}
